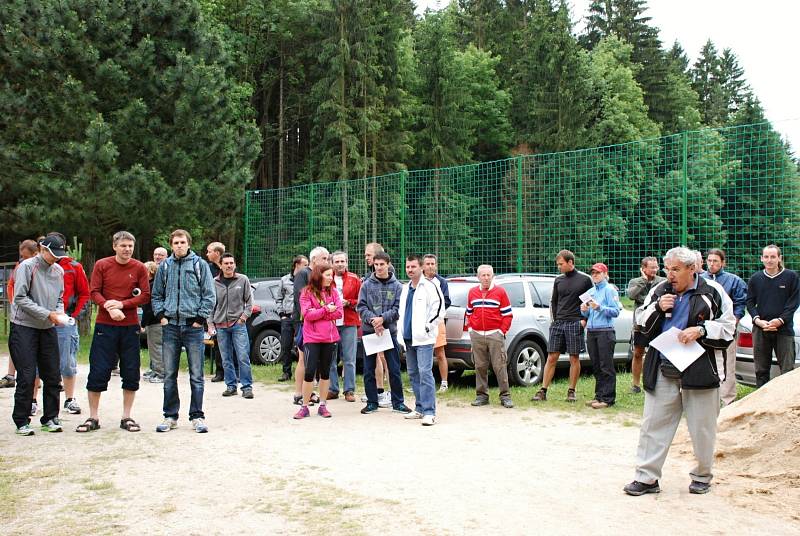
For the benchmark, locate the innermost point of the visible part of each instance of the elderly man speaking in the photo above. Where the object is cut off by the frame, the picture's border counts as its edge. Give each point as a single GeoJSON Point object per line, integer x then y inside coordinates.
{"type": "Point", "coordinates": [703, 312]}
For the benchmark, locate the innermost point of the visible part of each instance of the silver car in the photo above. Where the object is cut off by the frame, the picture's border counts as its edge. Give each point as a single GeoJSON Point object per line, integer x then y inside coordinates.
{"type": "Point", "coordinates": [526, 340]}
{"type": "Point", "coordinates": [745, 368]}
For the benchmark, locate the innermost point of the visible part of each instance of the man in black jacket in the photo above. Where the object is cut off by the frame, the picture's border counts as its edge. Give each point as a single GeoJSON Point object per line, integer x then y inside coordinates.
{"type": "Point", "coordinates": [773, 295]}
{"type": "Point", "coordinates": [703, 312]}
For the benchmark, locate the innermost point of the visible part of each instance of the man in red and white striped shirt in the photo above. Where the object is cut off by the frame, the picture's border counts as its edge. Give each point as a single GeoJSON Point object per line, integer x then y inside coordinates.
{"type": "Point", "coordinates": [489, 314]}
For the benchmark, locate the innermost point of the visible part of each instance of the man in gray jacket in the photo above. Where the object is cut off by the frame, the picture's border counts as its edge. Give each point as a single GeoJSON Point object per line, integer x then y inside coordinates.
{"type": "Point", "coordinates": [228, 322]}
{"type": "Point", "coordinates": [183, 298]}
{"type": "Point", "coordinates": [36, 309]}
{"type": "Point", "coordinates": [638, 288]}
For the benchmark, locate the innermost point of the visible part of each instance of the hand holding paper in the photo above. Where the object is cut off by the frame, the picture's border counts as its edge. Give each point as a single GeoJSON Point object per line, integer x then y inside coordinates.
{"type": "Point", "coordinates": [679, 354]}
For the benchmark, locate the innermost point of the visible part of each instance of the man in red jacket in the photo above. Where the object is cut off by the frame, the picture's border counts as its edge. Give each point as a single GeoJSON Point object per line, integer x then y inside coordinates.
{"type": "Point", "coordinates": [119, 285]}
{"type": "Point", "coordinates": [489, 314]}
{"type": "Point", "coordinates": [348, 285]}
{"type": "Point", "coordinates": [76, 295]}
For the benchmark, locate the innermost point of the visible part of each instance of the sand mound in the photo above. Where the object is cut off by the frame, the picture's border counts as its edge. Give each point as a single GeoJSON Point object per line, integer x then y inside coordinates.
{"type": "Point", "coordinates": [758, 448]}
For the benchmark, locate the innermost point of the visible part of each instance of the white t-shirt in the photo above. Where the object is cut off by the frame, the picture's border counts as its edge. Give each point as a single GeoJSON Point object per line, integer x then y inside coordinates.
{"type": "Point", "coordinates": [340, 289]}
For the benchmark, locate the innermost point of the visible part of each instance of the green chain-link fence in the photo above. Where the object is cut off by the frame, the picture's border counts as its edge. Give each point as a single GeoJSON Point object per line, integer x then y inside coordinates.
{"type": "Point", "coordinates": [735, 188]}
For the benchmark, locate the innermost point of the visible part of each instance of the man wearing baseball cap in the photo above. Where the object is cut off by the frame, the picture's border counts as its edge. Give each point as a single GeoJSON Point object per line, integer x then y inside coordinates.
{"type": "Point", "coordinates": [600, 312]}
{"type": "Point", "coordinates": [36, 308]}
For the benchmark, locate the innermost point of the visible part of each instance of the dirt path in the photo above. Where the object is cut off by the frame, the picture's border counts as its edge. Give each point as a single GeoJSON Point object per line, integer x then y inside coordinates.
{"type": "Point", "coordinates": [480, 470]}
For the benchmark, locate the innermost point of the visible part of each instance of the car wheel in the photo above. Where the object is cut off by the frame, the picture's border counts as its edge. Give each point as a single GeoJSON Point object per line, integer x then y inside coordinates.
{"type": "Point", "coordinates": [526, 366]}
{"type": "Point", "coordinates": [266, 347]}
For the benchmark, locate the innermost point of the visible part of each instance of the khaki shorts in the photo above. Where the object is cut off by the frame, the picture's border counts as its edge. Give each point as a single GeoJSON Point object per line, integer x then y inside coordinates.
{"type": "Point", "coordinates": [441, 337]}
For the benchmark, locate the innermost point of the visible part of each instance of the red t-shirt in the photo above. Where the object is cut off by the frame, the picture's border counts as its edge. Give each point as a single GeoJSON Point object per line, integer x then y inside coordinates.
{"type": "Point", "coordinates": [114, 281]}
{"type": "Point", "coordinates": [76, 286]}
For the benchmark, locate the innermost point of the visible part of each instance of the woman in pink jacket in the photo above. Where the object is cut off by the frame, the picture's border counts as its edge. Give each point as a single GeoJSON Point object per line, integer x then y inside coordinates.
{"type": "Point", "coordinates": [320, 306]}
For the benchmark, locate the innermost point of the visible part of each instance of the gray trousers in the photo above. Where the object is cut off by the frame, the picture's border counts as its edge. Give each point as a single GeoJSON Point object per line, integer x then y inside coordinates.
{"type": "Point", "coordinates": [488, 349]}
{"type": "Point", "coordinates": [662, 414]}
{"type": "Point", "coordinates": [727, 390]}
{"type": "Point", "coordinates": [155, 339]}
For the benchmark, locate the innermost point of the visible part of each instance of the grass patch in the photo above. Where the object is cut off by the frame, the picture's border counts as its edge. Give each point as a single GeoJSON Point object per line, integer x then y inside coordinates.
{"type": "Point", "coordinates": [105, 485]}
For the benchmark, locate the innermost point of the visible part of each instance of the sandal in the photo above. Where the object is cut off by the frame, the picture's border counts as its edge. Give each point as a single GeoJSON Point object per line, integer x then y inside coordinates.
{"type": "Point", "coordinates": [88, 426]}
{"type": "Point", "coordinates": [129, 425]}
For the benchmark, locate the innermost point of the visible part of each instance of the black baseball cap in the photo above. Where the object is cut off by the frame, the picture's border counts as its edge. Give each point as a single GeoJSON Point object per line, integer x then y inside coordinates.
{"type": "Point", "coordinates": [55, 245]}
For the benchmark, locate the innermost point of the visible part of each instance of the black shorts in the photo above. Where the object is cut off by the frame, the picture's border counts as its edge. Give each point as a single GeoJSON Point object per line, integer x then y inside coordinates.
{"type": "Point", "coordinates": [112, 344]}
{"type": "Point", "coordinates": [566, 337]}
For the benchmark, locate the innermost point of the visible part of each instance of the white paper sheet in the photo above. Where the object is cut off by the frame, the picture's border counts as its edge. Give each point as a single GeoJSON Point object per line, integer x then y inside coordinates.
{"type": "Point", "coordinates": [586, 297]}
{"type": "Point", "coordinates": [679, 354]}
{"type": "Point", "coordinates": [374, 343]}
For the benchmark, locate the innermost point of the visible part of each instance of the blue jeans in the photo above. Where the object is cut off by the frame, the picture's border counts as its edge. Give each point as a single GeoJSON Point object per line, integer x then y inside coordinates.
{"type": "Point", "coordinates": [395, 381]}
{"type": "Point", "coordinates": [192, 339]}
{"type": "Point", "coordinates": [346, 350]}
{"type": "Point", "coordinates": [235, 344]}
{"type": "Point", "coordinates": [68, 349]}
{"type": "Point", "coordinates": [419, 361]}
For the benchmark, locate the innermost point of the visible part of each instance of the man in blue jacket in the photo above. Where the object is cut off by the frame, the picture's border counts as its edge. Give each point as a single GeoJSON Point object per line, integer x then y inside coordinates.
{"type": "Point", "coordinates": [379, 308]}
{"type": "Point", "coordinates": [183, 297]}
{"type": "Point", "coordinates": [736, 289]}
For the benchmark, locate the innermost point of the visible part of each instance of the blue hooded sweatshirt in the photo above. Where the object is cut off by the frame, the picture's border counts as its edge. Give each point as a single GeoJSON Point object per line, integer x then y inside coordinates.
{"type": "Point", "coordinates": [603, 318]}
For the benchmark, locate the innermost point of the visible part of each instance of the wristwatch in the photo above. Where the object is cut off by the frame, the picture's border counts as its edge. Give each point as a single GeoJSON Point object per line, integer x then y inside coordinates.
{"type": "Point", "coordinates": [702, 331]}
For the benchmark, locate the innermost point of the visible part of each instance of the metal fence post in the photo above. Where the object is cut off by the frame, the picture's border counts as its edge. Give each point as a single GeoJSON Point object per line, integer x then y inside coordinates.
{"type": "Point", "coordinates": [684, 191]}
{"type": "Point", "coordinates": [519, 213]}
{"type": "Point", "coordinates": [403, 178]}
{"type": "Point", "coordinates": [310, 216]}
{"type": "Point", "coordinates": [247, 232]}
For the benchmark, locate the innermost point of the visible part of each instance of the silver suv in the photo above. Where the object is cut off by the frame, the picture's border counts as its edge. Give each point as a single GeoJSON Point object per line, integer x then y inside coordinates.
{"type": "Point", "coordinates": [526, 340]}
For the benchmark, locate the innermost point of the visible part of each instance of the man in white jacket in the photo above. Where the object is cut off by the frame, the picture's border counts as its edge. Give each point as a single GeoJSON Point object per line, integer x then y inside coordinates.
{"type": "Point", "coordinates": [421, 311]}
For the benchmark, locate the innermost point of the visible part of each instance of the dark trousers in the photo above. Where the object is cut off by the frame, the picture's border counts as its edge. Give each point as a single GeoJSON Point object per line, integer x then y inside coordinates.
{"type": "Point", "coordinates": [600, 344]}
{"type": "Point", "coordinates": [287, 341]}
{"type": "Point", "coordinates": [395, 381]}
{"type": "Point", "coordinates": [31, 348]}
{"type": "Point", "coordinates": [764, 344]}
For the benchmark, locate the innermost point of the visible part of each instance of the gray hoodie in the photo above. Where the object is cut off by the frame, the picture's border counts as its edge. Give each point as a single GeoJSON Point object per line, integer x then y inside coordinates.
{"type": "Point", "coordinates": [38, 291]}
{"type": "Point", "coordinates": [233, 300]}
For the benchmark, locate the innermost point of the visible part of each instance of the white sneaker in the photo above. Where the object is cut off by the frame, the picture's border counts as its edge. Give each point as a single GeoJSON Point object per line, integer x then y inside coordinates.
{"type": "Point", "coordinates": [443, 387]}
{"type": "Point", "coordinates": [199, 425]}
{"type": "Point", "coordinates": [167, 425]}
{"type": "Point", "coordinates": [413, 415]}
{"type": "Point", "coordinates": [428, 420]}
{"type": "Point", "coordinates": [385, 400]}
{"type": "Point", "coordinates": [364, 399]}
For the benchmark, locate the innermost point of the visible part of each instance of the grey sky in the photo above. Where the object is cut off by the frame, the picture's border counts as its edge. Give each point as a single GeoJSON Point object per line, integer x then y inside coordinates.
{"type": "Point", "coordinates": [762, 35]}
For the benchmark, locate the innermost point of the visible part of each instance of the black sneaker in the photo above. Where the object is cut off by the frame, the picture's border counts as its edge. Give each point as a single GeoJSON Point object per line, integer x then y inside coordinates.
{"type": "Point", "coordinates": [698, 487]}
{"type": "Point", "coordinates": [298, 400]}
{"type": "Point", "coordinates": [229, 391]}
{"type": "Point", "coordinates": [8, 381]}
{"type": "Point", "coordinates": [507, 403]}
{"type": "Point", "coordinates": [402, 408]}
{"type": "Point", "coordinates": [285, 377]}
{"type": "Point", "coordinates": [371, 407]}
{"type": "Point", "coordinates": [219, 376]}
{"type": "Point", "coordinates": [247, 392]}
{"type": "Point", "coordinates": [635, 389]}
{"type": "Point", "coordinates": [637, 488]}
{"type": "Point", "coordinates": [540, 396]}
{"type": "Point", "coordinates": [480, 401]}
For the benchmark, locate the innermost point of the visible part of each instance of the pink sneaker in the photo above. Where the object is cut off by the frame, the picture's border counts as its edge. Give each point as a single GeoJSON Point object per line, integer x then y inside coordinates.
{"type": "Point", "coordinates": [322, 411]}
{"type": "Point", "coordinates": [302, 413]}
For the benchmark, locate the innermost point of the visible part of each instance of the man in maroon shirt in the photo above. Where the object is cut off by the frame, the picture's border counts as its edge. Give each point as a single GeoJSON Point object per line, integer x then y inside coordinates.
{"type": "Point", "coordinates": [119, 285]}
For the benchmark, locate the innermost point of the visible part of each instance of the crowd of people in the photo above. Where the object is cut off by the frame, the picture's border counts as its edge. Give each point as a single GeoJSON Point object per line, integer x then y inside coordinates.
{"type": "Point", "coordinates": [324, 307]}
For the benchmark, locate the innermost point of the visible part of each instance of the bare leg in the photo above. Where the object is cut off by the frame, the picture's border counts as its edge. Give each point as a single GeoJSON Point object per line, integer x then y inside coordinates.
{"type": "Point", "coordinates": [549, 369]}
{"type": "Point", "coordinates": [636, 364]}
{"type": "Point", "coordinates": [380, 367]}
{"type": "Point", "coordinates": [574, 370]}
{"type": "Point", "coordinates": [12, 370]}
{"type": "Point", "coordinates": [440, 357]}
{"type": "Point", "coordinates": [94, 404]}
{"type": "Point", "coordinates": [36, 384]}
{"type": "Point", "coordinates": [127, 403]}
{"type": "Point", "coordinates": [69, 386]}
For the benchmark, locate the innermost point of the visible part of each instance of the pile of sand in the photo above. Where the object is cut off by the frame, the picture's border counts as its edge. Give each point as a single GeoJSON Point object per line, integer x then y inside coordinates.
{"type": "Point", "coordinates": [758, 448]}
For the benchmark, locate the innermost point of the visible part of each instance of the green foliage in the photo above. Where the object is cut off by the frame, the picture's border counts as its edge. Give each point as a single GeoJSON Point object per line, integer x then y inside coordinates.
{"type": "Point", "coordinates": [124, 115]}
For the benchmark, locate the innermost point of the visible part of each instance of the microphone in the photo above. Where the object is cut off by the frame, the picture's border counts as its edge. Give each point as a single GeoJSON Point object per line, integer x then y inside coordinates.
{"type": "Point", "coordinates": [669, 290]}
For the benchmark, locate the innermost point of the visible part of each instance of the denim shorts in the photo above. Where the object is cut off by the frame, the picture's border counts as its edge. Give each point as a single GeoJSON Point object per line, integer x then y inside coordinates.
{"type": "Point", "coordinates": [68, 349]}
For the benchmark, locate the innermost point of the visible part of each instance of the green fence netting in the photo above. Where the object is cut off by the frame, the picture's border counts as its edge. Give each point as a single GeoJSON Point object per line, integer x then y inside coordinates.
{"type": "Point", "coordinates": [736, 188]}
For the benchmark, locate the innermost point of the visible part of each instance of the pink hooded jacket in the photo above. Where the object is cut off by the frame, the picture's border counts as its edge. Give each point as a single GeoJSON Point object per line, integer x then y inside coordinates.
{"type": "Point", "coordinates": [319, 325]}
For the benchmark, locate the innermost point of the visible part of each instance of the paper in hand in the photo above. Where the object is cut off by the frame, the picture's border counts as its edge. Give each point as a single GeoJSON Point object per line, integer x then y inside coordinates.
{"type": "Point", "coordinates": [377, 343]}
{"type": "Point", "coordinates": [679, 354]}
